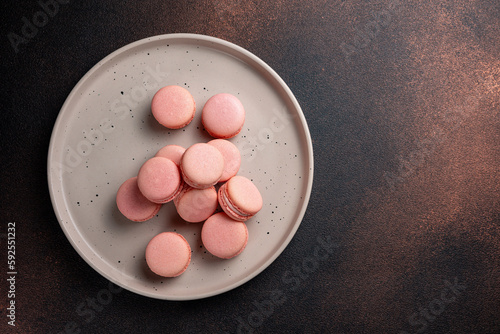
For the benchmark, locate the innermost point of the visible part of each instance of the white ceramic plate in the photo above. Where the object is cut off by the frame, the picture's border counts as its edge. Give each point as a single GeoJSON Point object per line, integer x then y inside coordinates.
{"type": "Point", "coordinates": [105, 131]}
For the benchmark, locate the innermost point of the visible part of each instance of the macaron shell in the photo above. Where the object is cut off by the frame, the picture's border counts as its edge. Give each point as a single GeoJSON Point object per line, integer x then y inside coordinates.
{"type": "Point", "coordinates": [232, 157]}
{"type": "Point", "coordinates": [196, 205]}
{"type": "Point", "coordinates": [132, 203]}
{"type": "Point", "coordinates": [243, 195]}
{"type": "Point", "coordinates": [224, 237]}
{"type": "Point", "coordinates": [168, 254]}
{"type": "Point", "coordinates": [229, 208]}
{"type": "Point", "coordinates": [202, 165]}
{"type": "Point", "coordinates": [223, 116]}
{"type": "Point", "coordinates": [173, 107]}
{"type": "Point", "coordinates": [172, 152]}
{"type": "Point", "coordinates": [159, 180]}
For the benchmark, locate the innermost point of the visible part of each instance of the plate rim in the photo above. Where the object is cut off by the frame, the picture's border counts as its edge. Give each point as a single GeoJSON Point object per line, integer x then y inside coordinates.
{"type": "Point", "coordinates": [195, 37]}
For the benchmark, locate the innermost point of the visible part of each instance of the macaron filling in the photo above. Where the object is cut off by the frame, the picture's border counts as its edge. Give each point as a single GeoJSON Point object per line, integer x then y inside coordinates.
{"type": "Point", "coordinates": [228, 207]}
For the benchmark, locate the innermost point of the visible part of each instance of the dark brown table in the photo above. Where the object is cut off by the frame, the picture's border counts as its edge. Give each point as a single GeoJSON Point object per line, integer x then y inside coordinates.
{"type": "Point", "coordinates": [402, 101]}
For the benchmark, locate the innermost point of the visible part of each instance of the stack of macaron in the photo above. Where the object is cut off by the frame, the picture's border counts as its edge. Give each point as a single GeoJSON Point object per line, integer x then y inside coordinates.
{"type": "Point", "coordinates": [198, 180]}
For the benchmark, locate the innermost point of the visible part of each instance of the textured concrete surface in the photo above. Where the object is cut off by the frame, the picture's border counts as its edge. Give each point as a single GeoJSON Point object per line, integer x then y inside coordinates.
{"type": "Point", "coordinates": [402, 101]}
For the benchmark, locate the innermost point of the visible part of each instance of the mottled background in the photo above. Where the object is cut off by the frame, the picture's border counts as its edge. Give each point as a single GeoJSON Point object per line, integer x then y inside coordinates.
{"type": "Point", "coordinates": [402, 100]}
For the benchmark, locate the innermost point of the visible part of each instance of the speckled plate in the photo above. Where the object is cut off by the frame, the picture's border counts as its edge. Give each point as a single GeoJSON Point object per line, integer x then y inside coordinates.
{"type": "Point", "coordinates": [105, 131]}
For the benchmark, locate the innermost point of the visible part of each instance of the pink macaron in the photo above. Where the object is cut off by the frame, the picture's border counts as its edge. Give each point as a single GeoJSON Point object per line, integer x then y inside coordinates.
{"type": "Point", "coordinates": [168, 254]}
{"type": "Point", "coordinates": [232, 157]}
{"type": "Point", "coordinates": [240, 198]}
{"type": "Point", "coordinates": [172, 152]}
{"type": "Point", "coordinates": [202, 165]}
{"type": "Point", "coordinates": [223, 116]}
{"type": "Point", "coordinates": [196, 205]}
{"type": "Point", "coordinates": [173, 107]}
{"type": "Point", "coordinates": [132, 203]}
{"type": "Point", "coordinates": [223, 236]}
{"type": "Point", "coordinates": [159, 180]}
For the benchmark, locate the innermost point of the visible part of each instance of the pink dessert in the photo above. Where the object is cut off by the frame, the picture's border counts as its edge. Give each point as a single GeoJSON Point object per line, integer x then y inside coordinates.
{"type": "Point", "coordinates": [159, 180]}
{"type": "Point", "coordinates": [223, 116]}
{"type": "Point", "coordinates": [240, 198]}
{"type": "Point", "coordinates": [172, 152]}
{"type": "Point", "coordinates": [132, 203]}
{"type": "Point", "coordinates": [173, 107]}
{"type": "Point", "coordinates": [223, 236]}
{"type": "Point", "coordinates": [232, 157]}
{"type": "Point", "coordinates": [202, 165]}
{"type": "Point", "coordinates": [168, 254]}
{"type": "Point", "coordinates": [196, 205]}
